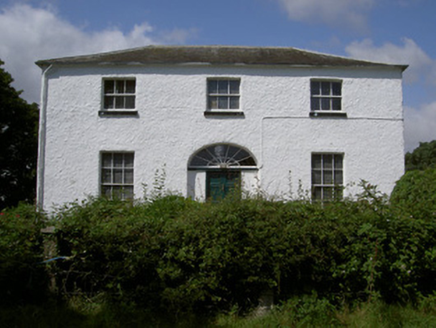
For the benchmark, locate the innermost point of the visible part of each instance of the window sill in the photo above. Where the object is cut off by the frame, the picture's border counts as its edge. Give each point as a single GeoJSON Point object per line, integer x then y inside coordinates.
{"type": "Point", "coordinates": [117, 113]}
{"type": "Point", "coordinates": [328, 114]}
{"type": "Point", "coordinates": [223, 113]}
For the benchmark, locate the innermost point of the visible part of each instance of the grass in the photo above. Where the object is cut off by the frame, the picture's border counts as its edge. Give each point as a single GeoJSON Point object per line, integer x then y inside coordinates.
{"type": "Point", "coordinates": [294, 313]}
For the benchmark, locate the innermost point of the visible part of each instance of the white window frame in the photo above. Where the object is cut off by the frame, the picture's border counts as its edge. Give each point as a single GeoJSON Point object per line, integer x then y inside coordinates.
{"type": "Point", "coordinates": [327, 182]}
{"type": "Point", "coordinates": [120, 96]}
{"type": "Point", "coordinates": [227, 96]}
{"type": "Point", "coordinates": [331, 98]}
{"type": "Point", "coordinates": [117, 178]}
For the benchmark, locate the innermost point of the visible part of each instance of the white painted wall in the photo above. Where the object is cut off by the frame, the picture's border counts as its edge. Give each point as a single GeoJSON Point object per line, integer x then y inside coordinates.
{"type": "Point", "coordinates": [171, 126]}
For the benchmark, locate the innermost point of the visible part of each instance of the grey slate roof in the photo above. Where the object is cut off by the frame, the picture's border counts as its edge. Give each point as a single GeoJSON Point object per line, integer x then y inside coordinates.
{"type": "Point", "coordinates": [215, 55]}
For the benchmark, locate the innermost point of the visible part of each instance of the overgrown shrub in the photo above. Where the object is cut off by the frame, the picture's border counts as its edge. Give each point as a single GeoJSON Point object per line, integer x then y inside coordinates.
{"type": "Point", "coordinates": [177, 255]}
{"type": "Point", "coordinates": [415, 193]}
{"type": "Point", "coordinates": [22, 276]}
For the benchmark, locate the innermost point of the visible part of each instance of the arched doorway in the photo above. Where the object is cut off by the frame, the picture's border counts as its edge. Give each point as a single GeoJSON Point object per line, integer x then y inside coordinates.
{"type": "Point", "coordinates": [223, 165]}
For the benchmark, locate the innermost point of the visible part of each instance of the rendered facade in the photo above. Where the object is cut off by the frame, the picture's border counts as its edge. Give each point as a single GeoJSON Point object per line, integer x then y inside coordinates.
{"type": "Point", "coordinates": [213, 117]}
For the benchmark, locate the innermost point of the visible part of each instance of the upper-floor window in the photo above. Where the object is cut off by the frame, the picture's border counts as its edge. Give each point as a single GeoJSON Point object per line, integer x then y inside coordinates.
{"type": "Point", "coordinates": [325, 95]}
{"type": "Point", "coordinates": [119, 94]}
{"type": "Point", "coordinates": [223, 94]}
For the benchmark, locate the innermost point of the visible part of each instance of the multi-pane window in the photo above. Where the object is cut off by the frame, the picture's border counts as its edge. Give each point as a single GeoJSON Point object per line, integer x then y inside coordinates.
{"type": "Point", "coordinates": [117, 175]}
{"type": "Point", "coordinates": [223, 94]}
{"type": "Point", "coordinates": [325, 95]}
{"type": "Point", "coordinates": [119, 94]}
{"type": "Point", "coordinates": [327, 176]}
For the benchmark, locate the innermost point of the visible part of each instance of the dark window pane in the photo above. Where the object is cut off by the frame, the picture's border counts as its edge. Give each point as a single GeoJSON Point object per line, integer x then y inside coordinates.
{"type": "Point", "coordinates": [128, 160]}
{"type": "Point", "coordinates": [108, 102]}
{"type": "Point", "coordinates": [338, 177]}
{"type": "Point", "coordinates": [327, 177]}
{"type": "Point", "coordinates": [120, 86]}
{"type": "Point", "coordinates": [327, 161]}
{"type": "Point", "coordinates": [118, 176]}
{"type": "Point", "coordinates": [336, 88]}
{"type": "Point", "coordinates": [316, 161]}
{"type": "Point", "coordinates": [223, 87]}
{"type": "Point", "coordinates": [107, 160]}
{"type": "Point", "coordinates": [117, 192]}
{"type": "Point", "coordinates": [118, 160]}
{"type": "Point", "coordinates": [108, 87]}
{"type": "Point", "coordinates": [316, 177]}
{"type": "Point", "coordinates": [128, 176]}
{"type": "Point", "coordinates": [338, 161]}
{"type": "Point", "coordinates": [317, 193]}
{"type": "Point", "coordinates": [234, 87]}
{"type": "Point", "coordinates": [325, 88]}
{"type": "Point", "coordinates": [130, 102]}
{"type": "Point", "coordinates": [315, 88]}
{"type": "Point", "coordinates": [106, 176]}
{"type": "Point", "coordinates": [325, 103]}
{"type": "Point", "coordinates": [336, 104]}
{"type": "Point", "coordinates": [212, 86]}
{"type": "Point", "coordinates": [130, 86]}
{"type": "Point", "coordinates": [327, 193]}
{"type": "Point", "coordinates": [234, 102]}
{"type": "Point", "coordinates": [314, 104]}
{"type": "Point", "coordinates": [223, 102]}
{"type": "Point", "coordinates": [119, 102]}
{"type": "Point", "coordinates": [213, 102]}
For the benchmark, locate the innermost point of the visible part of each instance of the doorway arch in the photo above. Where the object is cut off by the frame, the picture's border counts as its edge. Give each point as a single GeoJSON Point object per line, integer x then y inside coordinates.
{"type": "Point", "coordinates": [221, 166]}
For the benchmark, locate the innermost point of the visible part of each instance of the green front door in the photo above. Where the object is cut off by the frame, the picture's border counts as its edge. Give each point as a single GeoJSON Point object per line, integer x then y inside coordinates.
{"type": "Point", "coordinates": [220, 183]}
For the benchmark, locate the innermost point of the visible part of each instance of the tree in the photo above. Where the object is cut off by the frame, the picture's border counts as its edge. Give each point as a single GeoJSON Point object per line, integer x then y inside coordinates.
{"type": "Point", "coordinates": [422, 157]}
{"type": "Point", "coordinates": [18, 144]}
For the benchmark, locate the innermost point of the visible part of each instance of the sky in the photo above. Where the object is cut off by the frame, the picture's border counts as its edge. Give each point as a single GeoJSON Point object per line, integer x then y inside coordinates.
{"type": "Point", "coordinates": [390, 31]}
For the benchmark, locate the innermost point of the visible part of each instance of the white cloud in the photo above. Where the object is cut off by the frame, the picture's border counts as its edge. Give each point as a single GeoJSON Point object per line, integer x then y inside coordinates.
{"type": "Point", "coordinates": [419, 125]}
{"type": "Point", "coordinates": [344, 13]}
{"type": "Point", "coordinates": [37, 33]}
{"type": "Point", "coordinates": [420, 64]}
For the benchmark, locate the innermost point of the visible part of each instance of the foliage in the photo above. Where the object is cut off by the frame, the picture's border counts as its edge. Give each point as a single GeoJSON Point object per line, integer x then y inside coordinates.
{"type": "Point", "coordinates": [415, 193]}
{"type": "Point", "coordinates": [18, 145]}
{"type": "Point", "coordinates": [308, 311]}
{"type": "Point", "coordinates": [174, 254]}
{"type": "Point", "coordinates": [422, 157]}
{"type": "Point", "coordinates": [174, 257]}
{"type": "Point", "coordinates": [22, 277]}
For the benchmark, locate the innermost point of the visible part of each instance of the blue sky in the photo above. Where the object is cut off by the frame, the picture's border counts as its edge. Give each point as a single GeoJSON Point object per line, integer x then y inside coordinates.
{"type": "Point", "coordinates": [393, 31]}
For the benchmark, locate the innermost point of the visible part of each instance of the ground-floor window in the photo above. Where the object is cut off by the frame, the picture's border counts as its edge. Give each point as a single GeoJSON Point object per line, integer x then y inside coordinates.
{"type": "Point", "coordinates": [117, 175]}
{"type": "Point", "coordinates": [327, 177]}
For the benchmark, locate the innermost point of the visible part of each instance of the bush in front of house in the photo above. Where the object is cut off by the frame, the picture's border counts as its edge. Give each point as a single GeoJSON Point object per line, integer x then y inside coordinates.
{"type": "Point", "coordinates": [415, 193]}
{"type": "Point", "coordinates": [174, 254]}
{"type": "Point", "coordinates": [23, 277]}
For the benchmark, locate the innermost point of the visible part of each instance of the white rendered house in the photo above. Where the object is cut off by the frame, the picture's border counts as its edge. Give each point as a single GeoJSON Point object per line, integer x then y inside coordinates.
{"type": "Point", "coordinates": [270, 119]}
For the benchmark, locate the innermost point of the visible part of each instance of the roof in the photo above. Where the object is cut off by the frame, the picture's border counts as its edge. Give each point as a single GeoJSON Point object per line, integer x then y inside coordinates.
{"type": "Point", "coordinates": [215, 55]}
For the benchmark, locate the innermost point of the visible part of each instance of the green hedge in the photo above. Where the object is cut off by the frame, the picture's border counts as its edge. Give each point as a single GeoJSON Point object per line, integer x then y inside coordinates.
{"type": "Point", "coordinates": [23, 277]}
{"type": "Point", "coordinates": [175, 254]}
{"type": "Point", "coordinates": [181, 255]}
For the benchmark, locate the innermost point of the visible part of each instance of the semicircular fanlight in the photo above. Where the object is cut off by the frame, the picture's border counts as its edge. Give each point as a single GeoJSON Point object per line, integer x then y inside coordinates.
{"type": "Point", "coordinates": [222, 155]}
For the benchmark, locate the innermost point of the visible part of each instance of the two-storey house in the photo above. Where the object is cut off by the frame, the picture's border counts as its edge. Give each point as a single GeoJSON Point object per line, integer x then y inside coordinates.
{"type": "Point", "coordinates": [210, 117]}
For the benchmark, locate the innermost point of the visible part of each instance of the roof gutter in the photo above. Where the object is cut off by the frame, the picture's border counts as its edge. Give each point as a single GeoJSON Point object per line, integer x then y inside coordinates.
{"type": "Point", "coordinates": [42, 140]}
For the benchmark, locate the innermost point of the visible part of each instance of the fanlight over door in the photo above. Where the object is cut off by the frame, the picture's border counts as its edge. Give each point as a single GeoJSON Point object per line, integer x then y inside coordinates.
{"type": "Point", "coordinates": [222, 156]}
{"type": "Point", "coordinates": [223, 164]}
